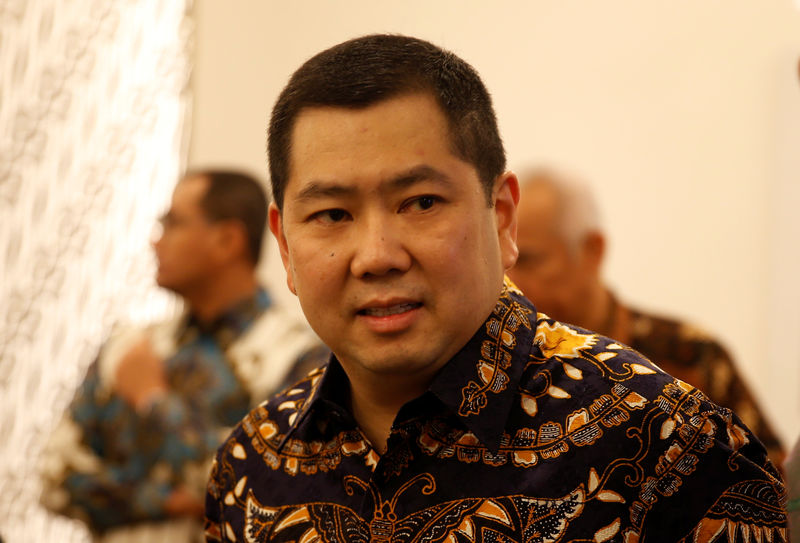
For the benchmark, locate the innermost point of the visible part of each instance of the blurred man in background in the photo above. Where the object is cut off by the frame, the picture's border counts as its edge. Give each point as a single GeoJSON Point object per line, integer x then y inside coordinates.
{"type": "Point", "coordinates": [561, 250]}
{"type": "Point", "coordinates": [131, 456]}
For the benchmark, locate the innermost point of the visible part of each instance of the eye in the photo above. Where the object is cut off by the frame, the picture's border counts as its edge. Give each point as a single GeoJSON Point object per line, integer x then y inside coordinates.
{"type": "Point", "coordinates": [421, 203]}
{"type": "Point", "coordinates": [168, 221]}
{"type": "Point", "coordinates": [330, 216]}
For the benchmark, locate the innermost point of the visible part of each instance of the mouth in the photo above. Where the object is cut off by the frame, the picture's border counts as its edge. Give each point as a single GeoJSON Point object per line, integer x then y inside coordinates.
{"type": "Point", "coordinates": [389, 310]}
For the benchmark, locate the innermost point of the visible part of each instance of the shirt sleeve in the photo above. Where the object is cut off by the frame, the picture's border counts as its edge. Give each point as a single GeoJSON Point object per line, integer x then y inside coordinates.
{"type": "Point", "coordinates": [747, 511]}
{"type": "Point", "coordinates": [727, 387]}
{"type": "Point", "coordinates": [720, 475]}
{"type": "Point", "coordinates": [88, 472]}
{"type": "Point", "coordinates": [225, 499]}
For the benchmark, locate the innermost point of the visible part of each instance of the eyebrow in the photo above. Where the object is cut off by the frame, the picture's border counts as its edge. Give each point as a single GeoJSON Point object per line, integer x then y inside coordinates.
{"type": "Point", "coordinates": [416, 175]}
{"type": "Point", "coordinates": [324, 189]}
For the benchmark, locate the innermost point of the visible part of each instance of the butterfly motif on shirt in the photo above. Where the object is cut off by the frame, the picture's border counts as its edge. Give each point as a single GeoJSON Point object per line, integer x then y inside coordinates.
{"type": "Point", "coordinates": [487, 520]}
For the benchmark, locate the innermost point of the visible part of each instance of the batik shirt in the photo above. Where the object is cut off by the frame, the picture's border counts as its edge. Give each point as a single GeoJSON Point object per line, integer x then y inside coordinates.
{"type": "Point", "coordinates": [115, 466]}
{"type": "Point", "coordinates": [535, 431]}
{"type": "Point", "coordinates": [694, 356]}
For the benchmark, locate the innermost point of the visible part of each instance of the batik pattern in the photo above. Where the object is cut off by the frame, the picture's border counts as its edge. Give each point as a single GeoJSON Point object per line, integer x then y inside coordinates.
{"type": "Point", "coordinates": [535, 431]}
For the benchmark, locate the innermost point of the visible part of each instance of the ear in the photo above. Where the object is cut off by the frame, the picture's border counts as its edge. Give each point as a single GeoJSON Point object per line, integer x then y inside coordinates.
{"type": "Point", "coordinates": [276, 227]}
{"type": "Point", "coordinates": [505, 198]}
{"type": "Point", "coordinates": [594, 250]}
{"type": "Point", "coordinates": [232, 240]}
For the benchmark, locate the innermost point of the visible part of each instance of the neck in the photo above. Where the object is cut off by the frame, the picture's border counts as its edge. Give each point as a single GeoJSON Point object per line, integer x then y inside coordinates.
{"type": "Point", "coordinates": [376, 400]}
{"type": "Point", "coordinates": [209, 301]}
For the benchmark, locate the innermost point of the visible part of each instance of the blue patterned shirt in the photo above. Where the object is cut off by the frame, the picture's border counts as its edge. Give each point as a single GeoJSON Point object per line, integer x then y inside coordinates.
{"type": "Point", "coordinates": [138, 459]}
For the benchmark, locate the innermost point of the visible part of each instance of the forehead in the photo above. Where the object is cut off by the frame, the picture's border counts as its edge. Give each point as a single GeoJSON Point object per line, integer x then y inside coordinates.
{"type": "Point", "coordinates": [189, 192]}
{"type": "Point", "coordinates": [400, 132]}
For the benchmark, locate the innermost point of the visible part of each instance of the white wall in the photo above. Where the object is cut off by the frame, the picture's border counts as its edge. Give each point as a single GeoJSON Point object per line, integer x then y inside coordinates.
{"type": "Point", "coordinates": [683, 115]}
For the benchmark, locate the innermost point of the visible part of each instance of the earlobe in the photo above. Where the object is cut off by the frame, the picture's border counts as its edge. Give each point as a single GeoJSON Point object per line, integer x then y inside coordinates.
{"type": "Point", "coordinates": [595, 248]}
{"type": "Point", "coordinates": [276, 227]}
{"type": "Point", "coordinates": [506, 199]}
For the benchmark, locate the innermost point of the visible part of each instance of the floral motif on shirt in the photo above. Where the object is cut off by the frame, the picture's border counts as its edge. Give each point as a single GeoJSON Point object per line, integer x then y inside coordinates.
{"type": "Point", "coordinates": [581, 428]}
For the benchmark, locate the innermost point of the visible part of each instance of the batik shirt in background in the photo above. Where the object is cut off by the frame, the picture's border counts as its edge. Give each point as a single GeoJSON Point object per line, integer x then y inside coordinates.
{"type": "Point", "coordinates": [696, 357]}
{"type": "Point", "coordinates": [534, 431]}
{"type": "Point", "coordinates": [115, 467]}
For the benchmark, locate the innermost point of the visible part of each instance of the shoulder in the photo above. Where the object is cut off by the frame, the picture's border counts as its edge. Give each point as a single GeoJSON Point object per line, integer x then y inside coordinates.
{"type": "Point", "coordinates": [272, 349]}
{"type": "Point", "coordinates": [583, 391]}
{"type": "Point", "coordinates": [278, 332]}
{"type": "Point", "coordinates": [653, 330]}
{"type": "Point", "coordinates": [581, 355]}
{"type": "Point", "coordinates": [644, 437]}
{"type": "Point", "coordinates": [279, 317]}
{"type": "Point", "coordinates": [576, 378]}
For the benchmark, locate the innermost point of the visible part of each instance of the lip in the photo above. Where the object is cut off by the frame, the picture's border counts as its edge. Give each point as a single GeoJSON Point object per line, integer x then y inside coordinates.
{"type": "Point", "coordinates": [389, 316]}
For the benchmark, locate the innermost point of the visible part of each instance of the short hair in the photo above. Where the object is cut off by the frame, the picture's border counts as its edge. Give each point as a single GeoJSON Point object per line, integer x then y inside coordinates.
{"type": "Point", "coordinates": [234, 195]}
{"type": "Point", "coordinates": [363, 71]}
{"type": "Point", "coordinates": [577, 214]}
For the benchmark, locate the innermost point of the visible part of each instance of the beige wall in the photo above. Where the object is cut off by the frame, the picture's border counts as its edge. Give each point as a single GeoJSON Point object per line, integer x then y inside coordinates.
{"type": "Point", "coordinates": [684, 115]}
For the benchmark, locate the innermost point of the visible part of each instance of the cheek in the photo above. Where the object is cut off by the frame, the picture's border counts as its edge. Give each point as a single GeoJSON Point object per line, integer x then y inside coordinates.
{"type": "Point", "coordinates": [179, 252]}
{"type": "Point", "coordinates": [557, 268]}
{"type": "Point", "coordinates": [556, 274]}
{"type": "Point", "coordinates": [543, 281]}
{"type": "Point", "coordinates": [469, 256]}
{"type": "Point", "coordinates": [452, 250]}
{"type": "Point", "coordinates": [312, 268]}
{"type": "Point", "coordinates": [470, 237]}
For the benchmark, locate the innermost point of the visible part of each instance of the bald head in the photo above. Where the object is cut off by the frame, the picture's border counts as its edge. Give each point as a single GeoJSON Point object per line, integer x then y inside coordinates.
{"type": "Point", "coordinates": [568, 204]}
{"type": "Point", "coordinates": [560, 245]}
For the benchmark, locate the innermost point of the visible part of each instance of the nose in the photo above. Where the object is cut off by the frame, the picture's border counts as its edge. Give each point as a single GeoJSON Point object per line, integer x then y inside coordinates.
{"type": "Point", "coordinates": [156, 236]}
{"type": "Point", "coordinates": [379, 249]}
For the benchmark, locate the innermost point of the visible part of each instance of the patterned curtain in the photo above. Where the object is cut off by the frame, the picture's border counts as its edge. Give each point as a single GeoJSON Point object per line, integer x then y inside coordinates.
{"type": "Point", "coordinates": [93, 124]}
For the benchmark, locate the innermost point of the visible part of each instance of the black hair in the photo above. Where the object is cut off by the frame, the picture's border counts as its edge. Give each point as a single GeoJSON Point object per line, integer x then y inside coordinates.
{"type": "Point", "coordinates": [363, 71]}
{"type": "Point", "coordinates": [234, 195]}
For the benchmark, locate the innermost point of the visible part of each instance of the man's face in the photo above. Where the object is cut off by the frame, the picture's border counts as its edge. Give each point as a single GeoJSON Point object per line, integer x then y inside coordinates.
{"type": "Point", "coordinates": [185, 246]}
{"type": "Point", "coordinates": [387, 237]}
{"type": "Point", "coordinates": [554, 276]}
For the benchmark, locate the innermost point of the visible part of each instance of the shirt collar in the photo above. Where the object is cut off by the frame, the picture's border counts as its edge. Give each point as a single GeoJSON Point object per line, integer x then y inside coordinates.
{"type": "Point", "coordinates": [480, 382]}
{"type": "Point", "coordinates": [231, 323]}
{"type": "Point", "coordinates": [478, 385]}
{"type": "Point", "coordinates": [325, 403]}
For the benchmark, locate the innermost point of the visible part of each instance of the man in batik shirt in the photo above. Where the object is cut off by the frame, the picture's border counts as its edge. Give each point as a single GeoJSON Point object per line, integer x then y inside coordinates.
{"type": "Point", "coordinates": [450, 410]}
{"type": "Point", "coordinates": [561, 251]}
{"type": "Point", "coordinates": [131, 456]}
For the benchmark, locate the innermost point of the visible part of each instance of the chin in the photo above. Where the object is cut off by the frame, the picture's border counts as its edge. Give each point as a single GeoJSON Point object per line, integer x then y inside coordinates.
{"type": "Point", "coordinates": [400, 366]}
{"type": "Point", "coordinates": [167, 285]}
